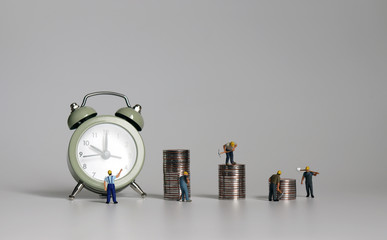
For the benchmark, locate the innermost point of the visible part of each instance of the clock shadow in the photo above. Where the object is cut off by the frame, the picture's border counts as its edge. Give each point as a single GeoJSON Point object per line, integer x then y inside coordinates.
{"type": "Point", "coordinates": [155, 196]}
{"type": "Point", "coordinates": [62, 194]}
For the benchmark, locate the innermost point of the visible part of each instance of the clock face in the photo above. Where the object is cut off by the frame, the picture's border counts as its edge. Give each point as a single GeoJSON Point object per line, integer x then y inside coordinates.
{"type": "Point", "coordinates": [104, 147]}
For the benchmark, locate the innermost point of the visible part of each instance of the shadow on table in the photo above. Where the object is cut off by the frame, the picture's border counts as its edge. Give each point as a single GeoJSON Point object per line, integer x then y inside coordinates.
{"type": "Point", "coordinates": [212, 196]}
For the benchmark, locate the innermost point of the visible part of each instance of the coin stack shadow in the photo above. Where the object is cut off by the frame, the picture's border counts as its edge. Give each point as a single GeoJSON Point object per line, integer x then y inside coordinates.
{"type": "Point", "coordinates": [232, 183]}
{"type": "Point", "coordinates": [288, 188]}
{"type": "Point", "coordinates": [175, 163]}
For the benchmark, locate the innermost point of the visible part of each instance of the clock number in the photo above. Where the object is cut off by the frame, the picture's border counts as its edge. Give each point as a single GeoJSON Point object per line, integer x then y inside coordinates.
{"type": "Point", "coordinates": [86, 142]}
{"type": "Point", "coordinates": [95, 135]}
{"type": "Point", "coordinates": [84, 166]}
{"type": "Point", "coordinates": [94, 173]}
{"type": "Point", "coordinates": [80, 154]}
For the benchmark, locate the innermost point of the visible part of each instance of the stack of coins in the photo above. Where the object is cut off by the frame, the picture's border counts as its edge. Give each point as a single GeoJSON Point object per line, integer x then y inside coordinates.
{"type": "Point", "coordinates": [232, 184]}
{"type": "Point", "coordinates": [175, 163]}
{"type": "Point", "coordinates": [288, 188]}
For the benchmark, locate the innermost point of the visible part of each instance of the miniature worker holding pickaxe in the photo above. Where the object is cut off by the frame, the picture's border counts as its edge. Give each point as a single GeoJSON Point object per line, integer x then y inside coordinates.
{"type": "Point", "coordinates": [229, 149]}
{"type": "Point", "coordinates": [274, 186]}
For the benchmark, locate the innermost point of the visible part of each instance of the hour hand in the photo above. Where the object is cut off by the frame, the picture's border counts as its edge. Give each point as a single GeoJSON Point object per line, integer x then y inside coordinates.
{"type": "Point", "coordinates": [96, 149]}
{"type": "Point", "coordinates": [92, 155]}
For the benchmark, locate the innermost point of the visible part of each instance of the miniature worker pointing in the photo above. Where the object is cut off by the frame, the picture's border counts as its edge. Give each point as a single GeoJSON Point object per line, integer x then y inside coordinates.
{"type": "Point", "coordinates": [110, 188]}
{"type": "Point", "coordinates": [274, 181]}
{"type": "Point", "coordinates": [229, 149]}
{"type": "Point", "coordinates": [308, 183]}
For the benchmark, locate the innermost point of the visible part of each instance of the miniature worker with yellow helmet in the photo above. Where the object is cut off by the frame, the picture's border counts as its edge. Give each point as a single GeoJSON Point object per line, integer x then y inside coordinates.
{"type": "Point", "coordinates": [110, 188]}
{"type": "Point", "coordinates": [308, 183]}
{"type": "Point", "coordinates": [274, 181]}
{"type": "Point", "coordinates": [229, 149]}
{"type": "Point", "coordinates": [184, 182]}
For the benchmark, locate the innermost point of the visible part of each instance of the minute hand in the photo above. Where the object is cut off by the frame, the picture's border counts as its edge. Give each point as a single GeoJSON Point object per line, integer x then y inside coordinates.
{"type": "Point", "coordinates": [105, 141]}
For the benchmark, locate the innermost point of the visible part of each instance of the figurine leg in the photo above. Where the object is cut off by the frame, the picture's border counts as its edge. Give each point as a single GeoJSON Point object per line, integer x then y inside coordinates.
{"type": "Point", "coordinates": [76, 190]}
{"type": "Point", "coordinates": [307, 189]}
{"type": "Point", "coordinates": [184, 192]}
{"type": "Point", "coordinates": [232, 158]}
{"type": "Point", "coordinates": [271, 191]}
{"type": "Point", "coordinates": [137, 188]}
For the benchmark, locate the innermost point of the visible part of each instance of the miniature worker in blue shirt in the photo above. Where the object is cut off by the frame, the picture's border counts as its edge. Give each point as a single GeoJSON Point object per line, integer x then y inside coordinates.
{"type": "Point", "coordinates": [308, 180]}
{"type": "Point", "coordinates": [110, 188]}
{"type": "Point", "coordinates": [184, 181]}
{"type": "Point", "coordinates": [229, 149]}
{"type": "Point", "coordinates": [274, 181]}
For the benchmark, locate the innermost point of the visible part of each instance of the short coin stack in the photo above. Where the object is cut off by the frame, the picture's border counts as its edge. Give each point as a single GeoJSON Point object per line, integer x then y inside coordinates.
{"type": "Point", "coordinates": [175, 163]}
{"type": "Point", "coordinates": [288, 188]}
{"type": "Point", "coordinates": [232, 184]}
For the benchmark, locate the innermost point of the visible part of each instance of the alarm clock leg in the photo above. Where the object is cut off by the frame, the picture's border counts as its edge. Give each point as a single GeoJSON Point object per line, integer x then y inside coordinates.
{"type": "Point", "coordinates": [76, 190]}
{"type": "Point", "coordinates": [137, 188]}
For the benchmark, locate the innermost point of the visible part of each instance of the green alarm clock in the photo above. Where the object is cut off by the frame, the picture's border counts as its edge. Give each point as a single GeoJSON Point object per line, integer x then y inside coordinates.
{"type": "Point", "coordinates": [102, 143]}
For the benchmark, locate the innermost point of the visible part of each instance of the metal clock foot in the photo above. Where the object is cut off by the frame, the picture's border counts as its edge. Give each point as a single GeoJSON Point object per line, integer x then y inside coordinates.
{"type": "Point", "coordinates": [137, 188]}
{"type": "Point", "coordinates": [76, 190]}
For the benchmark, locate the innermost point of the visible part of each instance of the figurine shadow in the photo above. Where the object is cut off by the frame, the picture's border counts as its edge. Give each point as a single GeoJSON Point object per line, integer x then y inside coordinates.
{"type": "Point", "coordinates": [263, 198]}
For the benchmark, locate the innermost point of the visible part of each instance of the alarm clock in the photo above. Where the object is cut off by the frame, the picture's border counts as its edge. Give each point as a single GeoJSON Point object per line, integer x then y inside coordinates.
{"type": "Point", "coordinates": [102, 143]}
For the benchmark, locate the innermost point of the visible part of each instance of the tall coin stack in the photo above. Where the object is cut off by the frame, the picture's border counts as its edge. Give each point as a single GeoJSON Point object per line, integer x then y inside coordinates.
{"type": "Point", "coordinates": [175, 163]}
{"type": "Point", "coordinates": [288, 188]}
{"type": "Point", "coordinates": [232, 184]}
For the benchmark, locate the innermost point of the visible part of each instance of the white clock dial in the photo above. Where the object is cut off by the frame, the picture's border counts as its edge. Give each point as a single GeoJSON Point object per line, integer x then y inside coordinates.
{"type": "Point", "coordinates": [105, 147]}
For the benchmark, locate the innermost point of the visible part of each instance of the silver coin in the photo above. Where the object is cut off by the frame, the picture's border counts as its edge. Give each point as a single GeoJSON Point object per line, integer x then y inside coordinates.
{"type": "Point", "coordinates": [232, 183]}
{"type": "Point", "coordinates": [175, 163]}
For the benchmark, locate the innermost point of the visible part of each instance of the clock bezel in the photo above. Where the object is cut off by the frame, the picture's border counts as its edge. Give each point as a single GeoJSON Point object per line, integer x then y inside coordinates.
{"type": "Point", "coordinates": [97, 185]}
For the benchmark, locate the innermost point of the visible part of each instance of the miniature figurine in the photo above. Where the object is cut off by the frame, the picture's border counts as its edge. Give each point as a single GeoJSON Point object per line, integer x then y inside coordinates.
{"type": "Point", "coordinates": [184, 182]}
{"type": "Point", "coordinates": [274, 181]}
{"type": "Point", "coordinates": [308, 182]}
{"type": "Point", "coordinates": [229, 149]}
{"type": "Point", "coordinates": [110, 188]}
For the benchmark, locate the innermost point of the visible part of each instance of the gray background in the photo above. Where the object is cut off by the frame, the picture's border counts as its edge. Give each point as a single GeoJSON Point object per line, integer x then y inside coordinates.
{"type": "Point", "coordinates": [294, 83]}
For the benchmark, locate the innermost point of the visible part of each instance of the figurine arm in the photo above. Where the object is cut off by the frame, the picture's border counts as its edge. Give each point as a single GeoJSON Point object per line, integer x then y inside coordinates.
{"type": "Point", "coordinates": [224, 149]}
{"type": "Point", "coordinates": [187, 180]}
{"type": "Point", "coordinates": [302, 179]}
{"type": "Point", "coordinates": [278, 185]}
{"type": "Point", "coordinates": [104, 184]}
{"type": "Point", "coordinates": [118, 175]}
{"type": "Point", "coordinates": [315, 173]}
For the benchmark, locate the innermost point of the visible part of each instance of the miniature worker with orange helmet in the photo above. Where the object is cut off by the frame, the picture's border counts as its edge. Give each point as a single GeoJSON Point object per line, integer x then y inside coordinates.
{"type": "Point", "coordinates": [308, 183]}
{"type": "Point", "coordinates": [110, 188]}
{"type": "Point", "coordinates": [229, 149]}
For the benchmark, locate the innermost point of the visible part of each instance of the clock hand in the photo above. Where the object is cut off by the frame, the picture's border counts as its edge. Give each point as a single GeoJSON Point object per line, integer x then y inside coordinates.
{"type": "Point", "coordinates": [105, 141]}
{"type": "Point", "coordinates": [92, 155]}
{"type": "Point", "coordinates": [115, 156]}
{"type": "Point", "coordinates": [96, 149]}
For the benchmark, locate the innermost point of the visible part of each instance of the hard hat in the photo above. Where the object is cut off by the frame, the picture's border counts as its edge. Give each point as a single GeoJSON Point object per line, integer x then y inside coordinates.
{"type": "Point", "coordinates": [279, 172]}
{"type": "Point", "coordinates": [307, 168]}
{"type": "Point", "coordinates": [232, 144]}
{"type": "Point", "coordinates": [110, 172]}
{"type": "Point", "coordinates": [185, 173]}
